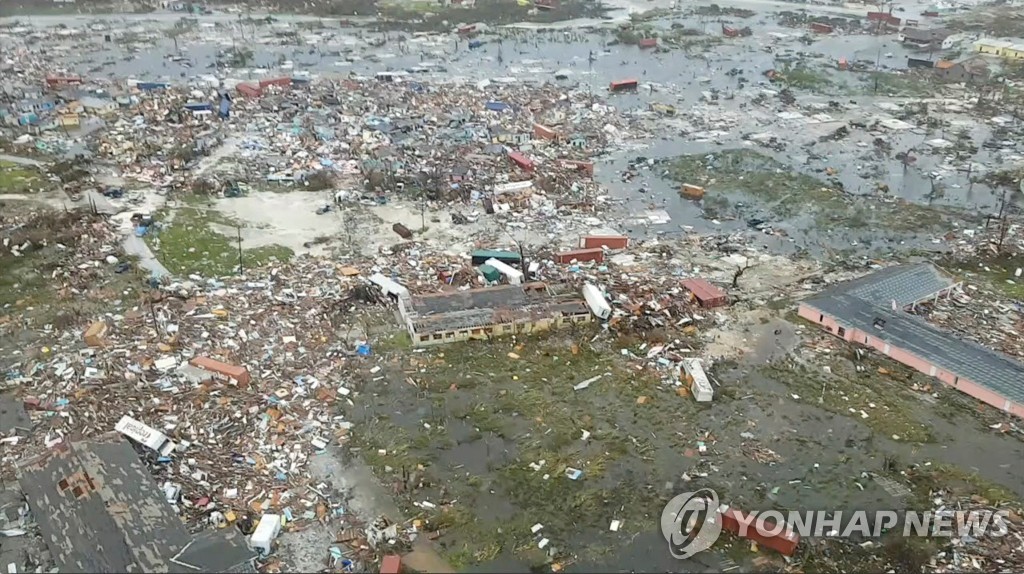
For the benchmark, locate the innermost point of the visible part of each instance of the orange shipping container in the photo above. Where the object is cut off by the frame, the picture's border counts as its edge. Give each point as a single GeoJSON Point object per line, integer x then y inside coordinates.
{"type": "Point", "coordinates": [692, 191]}
{"type": "Point", "coordinates": [609, 241]}
{"type": "Point", "coordinates": [544, 133]}
{"type": "Point", "coordinates": [236, 372]}
{"type": "Point", "coordinates": [751, 528]}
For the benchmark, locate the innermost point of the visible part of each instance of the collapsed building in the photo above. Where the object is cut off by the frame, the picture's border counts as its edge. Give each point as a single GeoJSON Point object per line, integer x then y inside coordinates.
{"type": "Point", "coordinates": [487, 312]}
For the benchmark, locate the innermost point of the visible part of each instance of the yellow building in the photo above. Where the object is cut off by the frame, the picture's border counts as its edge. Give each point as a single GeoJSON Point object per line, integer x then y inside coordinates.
{"type": "Point", "coordinates": [1001, 48]}
{"type": "Point", "coordinates": [68, 120]}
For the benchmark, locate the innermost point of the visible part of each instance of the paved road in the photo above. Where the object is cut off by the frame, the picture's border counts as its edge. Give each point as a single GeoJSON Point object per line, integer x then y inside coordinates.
{"type": "Point", "coordinates": [136, 246]}
{"type": "Point", "coordinates": [21, 160]}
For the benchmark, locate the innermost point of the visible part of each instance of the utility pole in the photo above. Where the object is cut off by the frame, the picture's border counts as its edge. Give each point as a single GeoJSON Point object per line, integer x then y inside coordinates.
{"type": "Point", "coordinates": [241, 270]}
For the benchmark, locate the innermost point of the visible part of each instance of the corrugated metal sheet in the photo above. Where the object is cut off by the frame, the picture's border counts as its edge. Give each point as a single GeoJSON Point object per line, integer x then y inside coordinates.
{"type": "Point", "coordinates": [704, 291]}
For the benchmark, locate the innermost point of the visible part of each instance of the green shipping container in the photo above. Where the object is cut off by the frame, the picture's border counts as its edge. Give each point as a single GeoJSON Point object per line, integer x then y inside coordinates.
{"type": "Point", "coordinates": [482, 255]}
{"type": "Point", "coordinates": [490, 273]}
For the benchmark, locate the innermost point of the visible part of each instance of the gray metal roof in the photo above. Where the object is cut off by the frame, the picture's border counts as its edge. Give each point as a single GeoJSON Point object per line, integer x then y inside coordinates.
{"type": "Point", "coordinates": [905, 284]}
{"type": "Point", "coordinates": [475, 308]}
{"type": "Point", "coordinates": [222, 550]}
{"type": "Point", "coordinates": [99, 510]}
{"type": "Point", "coordinates": [858, 304]}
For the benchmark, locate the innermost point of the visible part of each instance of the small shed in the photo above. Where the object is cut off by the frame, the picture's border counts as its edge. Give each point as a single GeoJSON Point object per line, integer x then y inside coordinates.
{"type": "Point", "coordinates": [705, 293]}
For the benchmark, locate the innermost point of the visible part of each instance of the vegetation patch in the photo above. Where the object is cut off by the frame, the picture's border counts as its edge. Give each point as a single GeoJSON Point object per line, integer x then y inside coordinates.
{"type": "Point", "coordinates": [869, 388]}
{"type": "Point", "coordinates": [185, 242]}
{"type": "Point", "coordinates": [499, 426]}
{"type": "Point", "coordinates": [789, 194]}
{"type": "Point", "coordinates": [15, 178]}
{"type": "Point", "coordinates": [998, 273]}
{"type": "Point", "coordinates": [804, 77]}
{"type": "Point", "coordinates": [899, 84]}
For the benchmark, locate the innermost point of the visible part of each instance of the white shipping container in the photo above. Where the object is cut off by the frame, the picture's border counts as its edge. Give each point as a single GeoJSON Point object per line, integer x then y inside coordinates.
{"type": "Point", "coordinates": [701, 387]}
{"type": "Point", "coordinates": [266, 531]}
{"type": "Point", "coordinates": [515, 186]}
{"type": "Point", "coordinates": [146, 435]}
{"type": "Point", "coordinates": [596, 301]}
{"type": "Point", "coordinates": [515, 276]}
{"type": "Point", "coordinates": [389, 287]}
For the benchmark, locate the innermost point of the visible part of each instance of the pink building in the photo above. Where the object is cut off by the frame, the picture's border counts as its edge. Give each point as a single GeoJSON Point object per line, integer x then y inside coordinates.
{"type": "Point", "coordinates": [872, 311]}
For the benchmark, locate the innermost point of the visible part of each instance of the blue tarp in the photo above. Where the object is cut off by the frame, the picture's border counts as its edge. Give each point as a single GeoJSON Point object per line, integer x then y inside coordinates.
{"type": "Point", "coordinates": [225, 107]}
{"type": "Point", "coordinates": [474, 44]}
{"type": "Point", "coordinates": [496, 106]}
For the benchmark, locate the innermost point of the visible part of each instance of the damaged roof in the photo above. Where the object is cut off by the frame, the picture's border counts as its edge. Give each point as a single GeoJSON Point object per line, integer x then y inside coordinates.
{"type": "Point", "coordinates": [860, 304]}
{"type": "Point", "coordinates": [904, 284]}
{"type": "Point", "coordinates": [488, 306]}
{"type": "Point", "coordinates": [99, 510]}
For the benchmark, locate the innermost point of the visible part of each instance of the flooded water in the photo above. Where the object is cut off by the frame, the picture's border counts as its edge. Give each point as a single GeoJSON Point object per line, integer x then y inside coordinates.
{"type": "Point", "coordinates": [732, 69]}
{"type": "Point", "coordinates": [479, 463]}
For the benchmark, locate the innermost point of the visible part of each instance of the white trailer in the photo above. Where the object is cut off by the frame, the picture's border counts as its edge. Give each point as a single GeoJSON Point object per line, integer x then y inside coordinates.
{"type": "Point", "coordinates": [596, 301]}
{"type": "Point", "coordinates": [390, 288]}
{"type": "Point", "coordinates": [700, 386]}
{"type": "Point", "coordinates": [266, 531]}
{"type": "Point", "coordinates": [515, 276]}
{"type": "Point", "coordinates": [145, 434]}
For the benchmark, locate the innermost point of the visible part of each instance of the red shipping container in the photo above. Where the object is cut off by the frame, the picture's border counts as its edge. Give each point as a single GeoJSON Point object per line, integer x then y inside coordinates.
{"type": "Point", "coordinates": [609, 241]}
{"type": "Point", "coordinates": [238, 373]}
{"type": "Point", "coordinates": [624, 85]}
{"type": "Point", "coordinates": [749, 527]}
{"type": "Point", "coordinates": [593, 254]}
{"type": "Point", "coordinates": [521, 160]}
{"type": "Point", "coordinates": [819, 28]}
{"type": "Point", "coordinates": [648, 42]}
{"type": "Point", "coordinates": [249, 90]}
{"type": "Point", "coordinates": [391, 564]}
{"type": "Point", "coordinates": [707, 294]}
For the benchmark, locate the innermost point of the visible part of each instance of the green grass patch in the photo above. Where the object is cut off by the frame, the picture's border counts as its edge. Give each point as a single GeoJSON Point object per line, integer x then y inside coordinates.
{"type": "Point", "coordinates": [803, 77]}
{"type": "Point", "coordinates": [996, 273]}
{"type": "Point", "coordinates": [188, 243]}
{"type": "Point", "coordinates": [525, 407]}
{"type": "Point", "coordinates": [787, 193]}
{"type": "Point", "coordinates": [15, 178]}
{"type": "Point", "coordinates": [846, 392]}
{"type": "Point", "coordinates": [893, 84]}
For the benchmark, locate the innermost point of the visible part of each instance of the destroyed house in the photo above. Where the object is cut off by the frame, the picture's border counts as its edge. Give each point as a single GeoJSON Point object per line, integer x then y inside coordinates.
{"type": "Point", "coordinates": [491, 311]}
{"type": "Point", "coordinates": [99, 510]}
{"type": "Point", "coordinates": [923, 38]}
{"type": "Point", "coordinates": [872, 311]}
